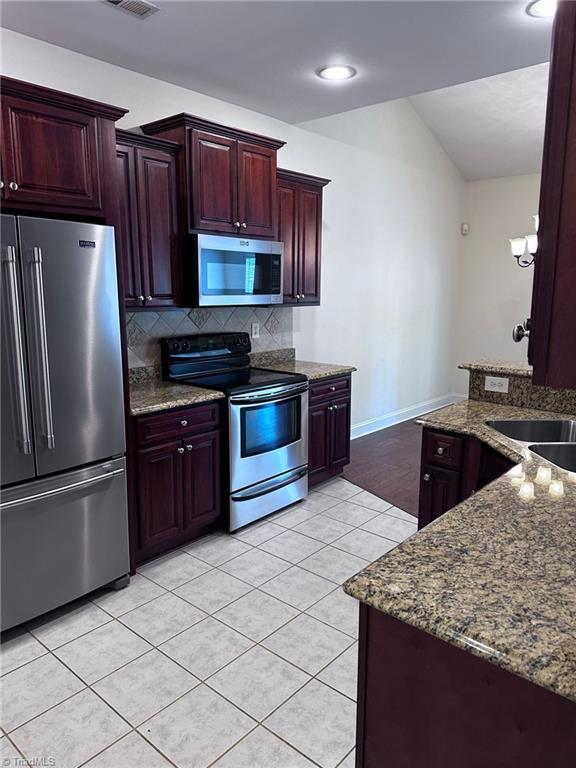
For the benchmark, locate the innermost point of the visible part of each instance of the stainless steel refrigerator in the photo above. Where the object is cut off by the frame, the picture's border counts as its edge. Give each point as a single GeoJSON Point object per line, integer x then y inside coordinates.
{"type": "Point", "coordinates": [63, 508]}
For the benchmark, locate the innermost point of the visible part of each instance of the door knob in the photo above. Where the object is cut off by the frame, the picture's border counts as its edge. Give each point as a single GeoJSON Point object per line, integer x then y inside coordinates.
{"type": "Point", "coordinates": [180, 450]}
{"type": "Point", "coordinates": [520, 332]}
{"type": "Point", "coordinates": [13, 186]}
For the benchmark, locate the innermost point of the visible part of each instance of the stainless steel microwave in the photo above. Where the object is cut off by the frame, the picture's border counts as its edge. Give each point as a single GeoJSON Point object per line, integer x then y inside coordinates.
{"type": "Point", "coordinates": [237, 270]}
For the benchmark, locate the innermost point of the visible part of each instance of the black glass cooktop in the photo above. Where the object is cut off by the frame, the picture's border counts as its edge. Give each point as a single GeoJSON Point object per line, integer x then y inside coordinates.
{"type": "Point", "coordinates": [243, 380]}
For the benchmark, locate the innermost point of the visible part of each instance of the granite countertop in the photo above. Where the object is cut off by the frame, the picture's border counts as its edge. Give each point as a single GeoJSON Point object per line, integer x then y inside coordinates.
{"type": "Point", "coordinates": [499, 368]}
{"type": "Point", "coordinates": [155, 396]}
{"type": "Point", "coordinates": [496, 575]}
{"type": "Point", "coordinates": [312, 370]}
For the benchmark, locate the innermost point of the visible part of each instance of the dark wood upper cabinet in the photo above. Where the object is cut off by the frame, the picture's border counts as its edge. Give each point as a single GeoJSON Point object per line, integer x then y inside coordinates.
{"type": "Point", "coordinates": [300, 229]}
{"type": "Point", "coordinates": [57, 151]}
{"type": "Point", "coordinates": [553, 317]}
{"type": "Point", "coordinates": [147, 236]}
{"type": "Point", "coordinates": [226, 176]}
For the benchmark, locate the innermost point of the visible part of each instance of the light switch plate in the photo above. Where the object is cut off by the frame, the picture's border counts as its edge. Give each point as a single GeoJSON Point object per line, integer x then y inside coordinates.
{"type": "Point", "coordinates": [496, 384]}
{"type": "Point", "coordinates": [255, 330]}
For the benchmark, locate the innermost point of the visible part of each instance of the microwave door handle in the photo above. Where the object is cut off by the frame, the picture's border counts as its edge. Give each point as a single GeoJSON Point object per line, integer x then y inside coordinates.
{"type": "Point", "coordinates": [9, 259]}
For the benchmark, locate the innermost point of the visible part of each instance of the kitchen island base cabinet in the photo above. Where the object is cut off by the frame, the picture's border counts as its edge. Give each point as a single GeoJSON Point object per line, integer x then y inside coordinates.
{"type": "Point", "coordinates": [328, 428]}
{"type": "Point", "coordinates": [453, 468]}
{"type": "Point", "coordinates": [424, 703]}
{"type": "Point", "coordinates": [176, 493]}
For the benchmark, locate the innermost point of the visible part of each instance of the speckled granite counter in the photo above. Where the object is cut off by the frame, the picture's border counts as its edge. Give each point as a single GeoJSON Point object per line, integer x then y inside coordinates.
{"type": "Point", "coordinates": [312, 370]}
{"type": "Point", "coordinates": [498, 368]}
{"type": "Point", "coordinates": [496, 575]}
{"type": "Point", "coordinates": [154, 396]}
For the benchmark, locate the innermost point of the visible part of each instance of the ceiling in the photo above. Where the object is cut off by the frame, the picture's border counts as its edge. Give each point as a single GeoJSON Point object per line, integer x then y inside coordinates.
{"type": "Point", "coordinates": [262, 55]}
{"type": "Point", "coordinates": [492, 127]}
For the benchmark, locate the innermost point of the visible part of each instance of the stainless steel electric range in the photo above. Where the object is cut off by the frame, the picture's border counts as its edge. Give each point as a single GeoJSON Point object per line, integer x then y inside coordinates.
{"type": "Point", "coordinates": [267, 415]}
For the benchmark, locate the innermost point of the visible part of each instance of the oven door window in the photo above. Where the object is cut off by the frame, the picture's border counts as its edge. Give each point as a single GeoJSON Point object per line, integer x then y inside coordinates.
{"type": "Point", "coordinates": [269, 426]}
{"type": "Point", "coordinates": [239, 273]}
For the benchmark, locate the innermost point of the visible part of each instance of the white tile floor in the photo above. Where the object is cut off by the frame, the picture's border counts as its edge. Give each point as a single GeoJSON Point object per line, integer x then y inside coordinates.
{"type": "Point", "coordinates": [234, 652]}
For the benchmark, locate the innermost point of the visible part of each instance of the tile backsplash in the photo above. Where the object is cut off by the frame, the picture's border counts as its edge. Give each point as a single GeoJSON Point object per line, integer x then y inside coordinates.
{"type": "Point", "coordinates": [145, 329]}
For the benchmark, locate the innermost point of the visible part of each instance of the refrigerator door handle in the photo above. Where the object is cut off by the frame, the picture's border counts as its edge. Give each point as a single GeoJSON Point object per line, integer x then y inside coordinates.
{"type": "Point", "coordinates": [9, 259]}
{"type": "Point", "coordinates": [63, 489]}
{"type": "Point", "coordinates": [43, 345]}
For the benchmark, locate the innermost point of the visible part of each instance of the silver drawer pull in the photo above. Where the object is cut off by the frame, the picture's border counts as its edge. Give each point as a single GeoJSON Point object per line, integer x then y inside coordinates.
{"type": "Point", "coordinates": [440, 451]}
{"type": "Point", "coordinates": [189, 447]}
{"type": "Point", "coordinates": [14, 308]}
{"type": "Point", "coordinates": [43, 346]}
{"type": "Point", "coordinates": [183, 423]}
{"type": "Point", "coordinates": [64, 489]}
{"type": "Point", "coordinates": [180, 450]}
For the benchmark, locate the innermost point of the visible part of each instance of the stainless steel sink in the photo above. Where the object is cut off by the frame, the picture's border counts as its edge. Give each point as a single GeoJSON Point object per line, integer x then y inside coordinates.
{"type": "Point", "coordinates": [561, 454]}
{"type": "Point", "coordinates": [536, 431]}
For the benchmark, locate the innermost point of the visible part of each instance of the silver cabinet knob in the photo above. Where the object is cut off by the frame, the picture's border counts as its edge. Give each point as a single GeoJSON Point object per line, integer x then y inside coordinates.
{"type": "Point", "coordinates": [140, 299]}
{"type": "Point", "coordinates": [183, 423]}
{"type": "Point", "coordinates": [237, 224]}
{"type": "Point", "coordinates": [440, 451]}
{"type": "Point", "coordinates": [244, 225]}
{"type": "Point", "coordinates": [332, 389]}
{"type": "Point", "coordinates": [426, 477]}
{"type": "Point", "coordinates": [148, 298]}
{"type": "Point", "coordinates": [13, 186]}
{"type": "Point", "coordinates": [180, 450]}
{"type": "Point", "coordinates": [1, 184]}
{"type": "Point", "coordinates": [189, 447]}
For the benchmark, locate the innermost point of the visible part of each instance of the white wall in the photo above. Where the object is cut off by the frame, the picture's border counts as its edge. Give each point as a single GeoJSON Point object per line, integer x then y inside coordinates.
{"type": "Point", "coordinates": [391, 223]}
{"type": "Point", "coordinates": [494, 292]}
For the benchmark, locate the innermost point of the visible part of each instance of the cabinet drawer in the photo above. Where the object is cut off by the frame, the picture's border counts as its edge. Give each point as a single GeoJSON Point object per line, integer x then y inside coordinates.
{"type": "Point", "coordinates": [171, 424]}
{"type": "Point", "coordinates": [325, 389]}
{"type": "Point", "coordinates": [442, 449]}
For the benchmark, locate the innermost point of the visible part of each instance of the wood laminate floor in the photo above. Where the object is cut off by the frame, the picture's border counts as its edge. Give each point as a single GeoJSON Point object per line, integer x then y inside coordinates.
{"type": "Point", "coordinates": [387, 463]}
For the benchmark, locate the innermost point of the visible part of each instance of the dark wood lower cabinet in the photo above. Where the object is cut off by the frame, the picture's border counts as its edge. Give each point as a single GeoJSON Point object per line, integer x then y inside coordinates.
{"type": "Point", "coordinates": [328, 428]}
{"type": "Point", "coordinates": [453, 468]}
{"type": "Point", "coordinates": [424, 703]}
{"type": "Point", "coordinates": [175, 490]}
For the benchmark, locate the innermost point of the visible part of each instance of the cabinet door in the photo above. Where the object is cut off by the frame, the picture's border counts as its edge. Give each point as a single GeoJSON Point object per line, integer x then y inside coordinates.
{"type": "Point", "coordinates": [201, 480]}
{"type": "Point", "coordinates": [340, 434]}
{"type": "Point", "coordinates": [214, 182]}
{"type": "Point", "coordinates": [158, 226]}
{"type": "Point", "coordinates": [287, 194]}
{"type": "Point", "coordinates": [318, 441]}
{"type": "Point", "coordinates": [439, 492]}
{"type": "Point", "coordinates": [51, 154]}
{"type": "Point", "coordinates": [256, 189]}
{"type": "Point", "coordinates": [310, 221]}
{"type": "Point", "coordinates": [127, 245]}
{"type": "Point", "coordinates": [551, 347]}
{"type": "Point", "coordinates": [159, 494]}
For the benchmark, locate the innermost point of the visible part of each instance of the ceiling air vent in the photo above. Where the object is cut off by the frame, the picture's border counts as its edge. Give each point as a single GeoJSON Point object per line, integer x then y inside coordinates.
{"type": "Point", "coordinates": [140, 8]}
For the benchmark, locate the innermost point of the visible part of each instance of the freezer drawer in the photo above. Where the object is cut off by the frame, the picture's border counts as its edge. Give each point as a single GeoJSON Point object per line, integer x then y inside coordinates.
{"type": "Point", "coordinates": [62, 538]}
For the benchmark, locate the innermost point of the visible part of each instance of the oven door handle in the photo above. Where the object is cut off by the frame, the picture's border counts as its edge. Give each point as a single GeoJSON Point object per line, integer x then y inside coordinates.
{"type": "Point", "coordinates": [276, 398]}
{"type": "Point", "coordinates": [262, 489]}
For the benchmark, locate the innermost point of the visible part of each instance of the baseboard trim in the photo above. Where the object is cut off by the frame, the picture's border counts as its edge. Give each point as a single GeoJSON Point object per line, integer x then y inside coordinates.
{"type": "Point", "coordinates": [403, 414]}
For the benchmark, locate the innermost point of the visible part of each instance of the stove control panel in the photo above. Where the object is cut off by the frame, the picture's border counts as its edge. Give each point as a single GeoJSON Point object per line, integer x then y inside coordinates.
{"type": "Point", "coordinates": [206, 345]}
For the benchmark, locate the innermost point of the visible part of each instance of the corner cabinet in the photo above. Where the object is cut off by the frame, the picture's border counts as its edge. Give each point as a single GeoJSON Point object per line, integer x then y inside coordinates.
{"type": "Point", "coordinates": [329, 428]}
{"type": "Point", "coordinates": [226, 177]}
{"type": "Point", "coordinates": [553, 316]}
{"type": "Point", "coordinates": [300, 229]}
{"type": "Point", "coordinates": [453, 468]}
{"type": "Point", "coordinates": [56, 152]}
{"type": "Point", "coordinates": [147, 233]}
{"type": "Point", "coordinates": [176, 476]}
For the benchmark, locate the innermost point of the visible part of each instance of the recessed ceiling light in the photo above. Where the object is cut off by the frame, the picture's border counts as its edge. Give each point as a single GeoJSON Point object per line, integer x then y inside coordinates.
{"type": "Point", "coordinates": [336, 72]}
{"type": "Point", "coordinates": [542, 9]}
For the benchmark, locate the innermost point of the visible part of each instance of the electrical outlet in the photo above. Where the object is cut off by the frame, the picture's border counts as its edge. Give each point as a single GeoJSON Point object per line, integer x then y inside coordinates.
{"type": "Point", "coordinates": [255, 330]}
{"type": "Point", "coordinates": [496, 384]}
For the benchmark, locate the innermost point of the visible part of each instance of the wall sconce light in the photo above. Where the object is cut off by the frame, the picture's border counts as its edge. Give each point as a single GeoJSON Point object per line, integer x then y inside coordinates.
{"type": "Point", "coordinates": [524, 248]}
